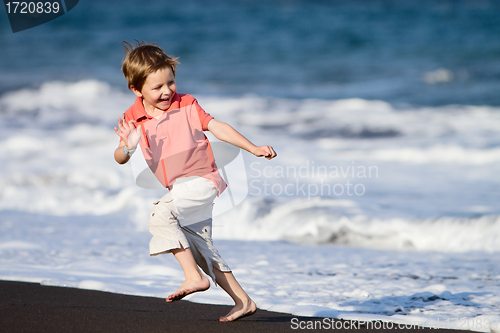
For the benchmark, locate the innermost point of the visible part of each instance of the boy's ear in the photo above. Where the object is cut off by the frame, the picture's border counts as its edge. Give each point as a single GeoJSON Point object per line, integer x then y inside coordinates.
{"type": "Point", "coordinates": [137, 92]}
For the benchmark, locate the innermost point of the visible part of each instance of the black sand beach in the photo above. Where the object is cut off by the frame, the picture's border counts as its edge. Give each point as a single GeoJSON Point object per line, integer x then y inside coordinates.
{"type": "Point", "coordinates": [31, 307]}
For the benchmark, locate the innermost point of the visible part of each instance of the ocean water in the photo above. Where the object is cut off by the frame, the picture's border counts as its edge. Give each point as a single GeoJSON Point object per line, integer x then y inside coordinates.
{"type": "Point", "coordinates": [411, 52]}
{"type": "Point", "coordinates": [383, 203]}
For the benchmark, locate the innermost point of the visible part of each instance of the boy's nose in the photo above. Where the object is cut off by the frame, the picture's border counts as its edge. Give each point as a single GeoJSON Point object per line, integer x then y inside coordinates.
{"type": "Point", "coordinates": [166, 91]}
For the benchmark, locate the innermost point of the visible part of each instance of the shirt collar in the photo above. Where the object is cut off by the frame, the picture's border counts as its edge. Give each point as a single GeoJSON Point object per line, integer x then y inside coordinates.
{"type": "Point", "coordinates": [139, 113]}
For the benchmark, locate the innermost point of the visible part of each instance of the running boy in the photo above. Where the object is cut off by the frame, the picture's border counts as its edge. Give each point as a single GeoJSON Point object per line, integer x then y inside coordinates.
{"type": "Point", "coordinates": [169, 128]}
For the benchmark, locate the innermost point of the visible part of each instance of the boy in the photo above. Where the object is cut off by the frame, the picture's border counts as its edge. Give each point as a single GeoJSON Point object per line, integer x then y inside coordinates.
{"type": "Point", "coordinates": [169, 127]}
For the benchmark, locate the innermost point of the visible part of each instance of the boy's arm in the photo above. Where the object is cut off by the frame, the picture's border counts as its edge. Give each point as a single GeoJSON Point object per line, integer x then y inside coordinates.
{"type": "Point", "coordinates": [120, 155]}
{"type": "Point", "coordinates": [226, 133]}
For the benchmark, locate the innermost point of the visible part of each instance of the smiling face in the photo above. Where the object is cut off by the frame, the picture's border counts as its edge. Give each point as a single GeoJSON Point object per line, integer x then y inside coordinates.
{"type": "Point", "coordinates": [158, 90]}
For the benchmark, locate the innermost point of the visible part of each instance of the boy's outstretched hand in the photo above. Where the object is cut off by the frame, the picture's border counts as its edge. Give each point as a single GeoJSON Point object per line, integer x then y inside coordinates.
{"type": "Point", "coordinates": [130, 135]}
{"type": "Point", "coordinates": [266, 151]}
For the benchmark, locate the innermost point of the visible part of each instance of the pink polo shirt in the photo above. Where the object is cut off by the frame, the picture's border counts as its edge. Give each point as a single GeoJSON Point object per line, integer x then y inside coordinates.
{"type": "Point", "coordinates": [174, 145]}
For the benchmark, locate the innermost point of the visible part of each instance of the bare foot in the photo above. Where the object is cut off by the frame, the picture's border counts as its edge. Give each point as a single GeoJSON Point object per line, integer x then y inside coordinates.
{"type": "Point", "coordinates": [189, 287]}
{"type": "Point", "coordinates": [240, 311]}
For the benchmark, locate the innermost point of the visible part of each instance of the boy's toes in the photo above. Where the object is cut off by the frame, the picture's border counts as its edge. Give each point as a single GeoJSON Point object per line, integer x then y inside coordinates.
{"type": "Point", "coordinates": [189, 287]}
{"type": "Point", "coordinates": [240, 312]}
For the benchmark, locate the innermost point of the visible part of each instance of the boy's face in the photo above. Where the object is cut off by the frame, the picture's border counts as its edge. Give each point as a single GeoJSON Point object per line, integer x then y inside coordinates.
{"type": "Point", "coordinates": [158, 90]}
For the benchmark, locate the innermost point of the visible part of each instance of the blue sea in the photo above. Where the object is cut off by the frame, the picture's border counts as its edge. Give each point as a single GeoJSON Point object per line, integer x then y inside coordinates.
{"type": "Point", "coordinates": [383, 202]}
{"type": "Point", "coordinates": [404, 52]}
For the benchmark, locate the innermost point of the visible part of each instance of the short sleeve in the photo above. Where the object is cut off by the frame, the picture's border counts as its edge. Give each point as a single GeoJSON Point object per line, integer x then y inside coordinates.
{"type": "Point", "coordinates": [204, 117]}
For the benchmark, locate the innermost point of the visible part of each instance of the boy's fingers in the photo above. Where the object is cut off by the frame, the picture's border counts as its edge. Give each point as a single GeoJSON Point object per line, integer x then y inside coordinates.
{"type": "Point", "coordinates": [120, 123]}
{"type": "Point", "coordinates": [120, 130]}
{"type": "Point", "coordinates": [268, 152]}
{"type": "Point", "coordinates": [119, 133]}
{"type": "Point", "coordinates": [272, 153]}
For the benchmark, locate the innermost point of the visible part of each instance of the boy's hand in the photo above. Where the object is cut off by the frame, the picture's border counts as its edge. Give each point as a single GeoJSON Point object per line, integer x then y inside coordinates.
{"type": "Point", "coordinates": [130, 135]}
{"type": "Point", "coordinates": [266, 151]}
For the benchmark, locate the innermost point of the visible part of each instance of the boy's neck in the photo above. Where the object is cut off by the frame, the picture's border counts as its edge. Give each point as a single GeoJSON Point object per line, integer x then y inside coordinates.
{"type": "Point", "coordinates": [152, 111]}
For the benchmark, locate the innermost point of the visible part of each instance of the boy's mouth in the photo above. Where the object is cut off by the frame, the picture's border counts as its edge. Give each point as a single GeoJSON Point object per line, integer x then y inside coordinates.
{"type": "Point", "coordinates": [164, 100]}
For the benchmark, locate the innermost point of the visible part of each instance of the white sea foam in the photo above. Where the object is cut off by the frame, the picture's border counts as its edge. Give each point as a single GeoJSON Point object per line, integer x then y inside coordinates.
{"type": "Point", "coordinates": [343, 222]}
{"type": "Point", "coordinates": [416, 187]}
{"type": "Point", "coordinates": [366, 160]}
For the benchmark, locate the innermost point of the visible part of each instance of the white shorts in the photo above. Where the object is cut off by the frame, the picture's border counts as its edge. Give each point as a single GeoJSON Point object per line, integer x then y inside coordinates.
{"type": "Point", "coordinates": [183, 217]}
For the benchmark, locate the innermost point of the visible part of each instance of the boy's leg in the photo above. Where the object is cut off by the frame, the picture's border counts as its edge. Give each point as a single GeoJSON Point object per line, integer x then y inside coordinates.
{"type": "Point", "coordinates": [194, 280]}
{"type": "Point", "coordinates": [244, 306]}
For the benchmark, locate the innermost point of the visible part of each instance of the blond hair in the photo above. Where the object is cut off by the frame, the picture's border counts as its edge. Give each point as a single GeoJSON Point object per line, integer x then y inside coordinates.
{"type": "Point", "coordinates": [144, 59]}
